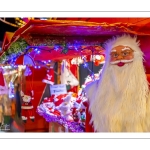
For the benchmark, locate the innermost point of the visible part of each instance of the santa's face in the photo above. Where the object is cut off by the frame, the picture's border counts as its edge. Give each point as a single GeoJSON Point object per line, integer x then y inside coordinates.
{"type": "Point", "coordinates": [120, 55]}
{"type": "Point", "coordinates": [26, 98]}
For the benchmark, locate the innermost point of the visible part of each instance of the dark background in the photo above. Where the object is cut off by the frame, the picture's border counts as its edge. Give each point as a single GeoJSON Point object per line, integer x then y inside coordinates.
{"type": "Point", "coordinates": [84, 72]}
{"type": "Point", "coordinates": [6, 27]}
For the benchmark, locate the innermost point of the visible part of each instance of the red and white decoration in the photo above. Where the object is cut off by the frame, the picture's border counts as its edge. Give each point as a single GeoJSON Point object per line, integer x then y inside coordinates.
{"type": "Point", "coordinates": [70, 106]}
{"type": "Point", "coordinates": [25, 60]}
{"type": "Point", "coordinates": [49, 79]}
{"type": "Point", "coordinates": [27, 110]}
{"type": "Point", "coordinates": [65, 105]}
{"type": "Point", "coordinates": [67, 76]}
{"type": "Point", "coordinates": [90, 79]}
{"type": "Point", "coordinates": [3, 86]}
{"type": "Point", "coordinates": [97, 59]}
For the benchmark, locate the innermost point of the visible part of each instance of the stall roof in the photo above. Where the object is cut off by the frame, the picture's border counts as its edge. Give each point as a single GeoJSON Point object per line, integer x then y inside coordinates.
{"type": "Point", "coordinates": [92, 29]}
{"type": "Point", "coordinates": [83, 28]}
{"type": "Point", "coordinates": [7, 38]}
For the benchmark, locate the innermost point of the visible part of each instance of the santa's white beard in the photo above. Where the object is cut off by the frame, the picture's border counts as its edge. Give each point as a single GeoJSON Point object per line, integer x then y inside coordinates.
{"type": "Point", "coordinates": [119, 103]}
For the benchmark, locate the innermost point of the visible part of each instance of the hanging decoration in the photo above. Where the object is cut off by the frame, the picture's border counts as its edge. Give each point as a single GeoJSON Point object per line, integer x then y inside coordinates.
{"type": "Point", "coordinates": [3, 85]}
{"type": "Point", "coordinates": [67, 76]}
{"type": "Point", "coordinates": [27, 109]}
{"type": "Point", "coordinates": [49, 78]}
{"type": "Point", "coordinates": [25, 60]}
{"type": "Point", "coordinates": [59, 108]}
{"type": "Point", "coordinates": [97, 59]}
{"type": "Point", "coordinates": [12, 86]}
{"type": "Point", "coordinates": [11, 90]}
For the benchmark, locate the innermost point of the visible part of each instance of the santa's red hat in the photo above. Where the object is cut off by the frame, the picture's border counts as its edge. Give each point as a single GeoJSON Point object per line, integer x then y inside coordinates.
{"type": "Point", "coordinates": [49, 79]}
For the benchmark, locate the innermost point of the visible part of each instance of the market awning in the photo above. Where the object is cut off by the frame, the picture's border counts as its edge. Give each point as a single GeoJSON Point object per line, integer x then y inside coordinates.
{"type": "Point", "coordinates": [86, 35]}
{"type": "Point", "coordinates": [7, 39]}
{"type": "Point", "coordinates": [82, 28]}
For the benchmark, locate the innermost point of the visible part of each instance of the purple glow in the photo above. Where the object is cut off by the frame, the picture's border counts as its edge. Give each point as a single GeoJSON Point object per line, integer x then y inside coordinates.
{"type": "Point", "coordinates": [38, 52]}
{"type": "Point", "coordinates": [85, 65]}
{"type": "Point", "coordinates": [36, 49]}
{"type": "Point", "coordinates": [72, 126]}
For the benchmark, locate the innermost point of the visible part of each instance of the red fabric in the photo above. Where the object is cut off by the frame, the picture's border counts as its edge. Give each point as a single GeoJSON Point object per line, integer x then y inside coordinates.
{"type": "Point", "coordinates": [73, 69]}
{"type": "Point", "coordinates": [88, 126]}
{"type": "Point", "coordinates": [27, 104]}
{"type": "Point", "coordinates": [73, 89]}
{"type": "Point", "coordinates": [20, 60]}
{"type": "Point", "coordinates": [148, 78]}
{"type": "Point", "coordinates": [88, 58]}
{"type": "Point", "coordinates": [57, 103]}
{"type": "Point", "coordinates": [27, 112]}
{"type": "Point", "coordinates": [2, 83]}
{"type": "Point", "coordinates": [49, 78]}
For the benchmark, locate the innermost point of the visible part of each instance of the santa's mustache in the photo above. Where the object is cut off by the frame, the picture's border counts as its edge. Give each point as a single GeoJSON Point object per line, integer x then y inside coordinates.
{"type": "Point", "coordinates": [123, 61]}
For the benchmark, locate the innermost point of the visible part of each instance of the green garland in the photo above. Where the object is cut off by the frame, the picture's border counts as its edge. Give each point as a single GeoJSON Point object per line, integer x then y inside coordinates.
{"type": "Point", "coordinates": [18, 48]}
{"type": "Point", "coordinates": [15, 49]}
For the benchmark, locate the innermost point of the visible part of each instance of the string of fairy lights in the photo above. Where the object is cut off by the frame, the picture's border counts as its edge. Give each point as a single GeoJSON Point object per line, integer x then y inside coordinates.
{"type": "Point", "coordinates": [19, 22]}
{"type": "Point", "coordinates": [46, 63]}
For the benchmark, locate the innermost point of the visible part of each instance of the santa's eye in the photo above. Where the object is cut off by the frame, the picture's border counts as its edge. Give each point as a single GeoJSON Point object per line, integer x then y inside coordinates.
{"type": "Point", "coordinates": [115, 55]}
{"type": "Point", "coordinates": [125, 53]}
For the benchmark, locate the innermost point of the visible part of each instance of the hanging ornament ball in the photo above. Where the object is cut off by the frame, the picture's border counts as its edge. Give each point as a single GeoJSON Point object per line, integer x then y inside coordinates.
{"type": "Point", "coordinates": [102, 58]}
{"type": "Point", "coordinates": [98, 57]}
{"type": "Point", "coordinates": [97, 62]}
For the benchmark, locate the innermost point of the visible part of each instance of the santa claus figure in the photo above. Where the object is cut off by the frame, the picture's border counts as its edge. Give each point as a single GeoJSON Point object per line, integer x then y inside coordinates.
{"type": "Point", "coordinates": [27, 111]}
{"type": "Point", "coordinates": [118, 101]}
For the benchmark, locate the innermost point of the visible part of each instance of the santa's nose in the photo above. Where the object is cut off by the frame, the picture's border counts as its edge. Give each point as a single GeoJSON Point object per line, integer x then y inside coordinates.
{"type": "Point", "coordinates": [120, 57]}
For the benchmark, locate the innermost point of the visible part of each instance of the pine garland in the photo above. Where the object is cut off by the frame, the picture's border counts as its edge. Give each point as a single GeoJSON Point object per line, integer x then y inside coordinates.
{"type": "Point", "coordinates": [18, 47]}
{"type": "Point", "coordinates": [15, 49]}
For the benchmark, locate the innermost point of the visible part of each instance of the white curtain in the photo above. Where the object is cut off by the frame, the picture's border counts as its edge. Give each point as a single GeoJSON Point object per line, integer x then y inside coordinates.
{"type": "Point", "coordinates": [67, 76]}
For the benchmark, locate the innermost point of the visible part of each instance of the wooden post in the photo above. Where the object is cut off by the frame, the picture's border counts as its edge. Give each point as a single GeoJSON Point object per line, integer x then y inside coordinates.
{"type": "Point", "coordinates": [78, 77]}
{"type": "Point", "coordinates": [59, 72]}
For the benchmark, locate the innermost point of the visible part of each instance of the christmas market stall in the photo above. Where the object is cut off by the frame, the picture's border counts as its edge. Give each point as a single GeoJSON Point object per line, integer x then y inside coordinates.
{"type": "Point", "coordinates": [59, 58]}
